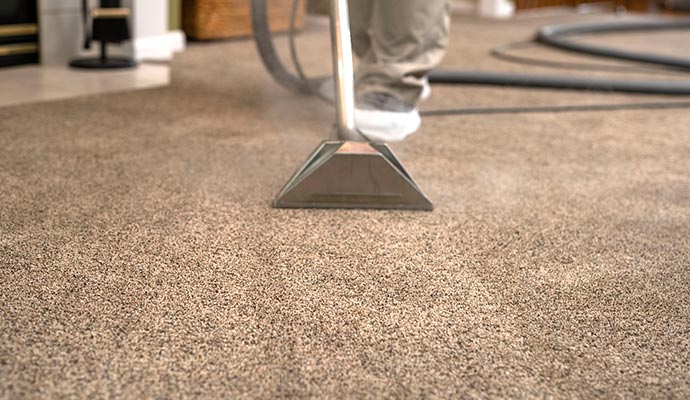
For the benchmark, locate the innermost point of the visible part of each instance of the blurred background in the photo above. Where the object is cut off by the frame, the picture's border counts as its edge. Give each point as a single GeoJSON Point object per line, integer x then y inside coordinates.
{"type": "Point", "coordinates": [39, 39]}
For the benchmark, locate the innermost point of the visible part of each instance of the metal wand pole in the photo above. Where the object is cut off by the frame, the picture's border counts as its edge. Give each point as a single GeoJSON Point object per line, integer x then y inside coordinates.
{"type": "Point", "coordinates": [343, 71]}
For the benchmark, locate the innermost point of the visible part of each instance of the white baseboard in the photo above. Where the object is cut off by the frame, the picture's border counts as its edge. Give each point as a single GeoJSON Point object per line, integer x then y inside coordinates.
{"type": "Point", "coordinates": [159, 48]}
{"type": "Point", "coordinates": [496, 9]}
{"type": "Point", "coordinates": [464, 7]}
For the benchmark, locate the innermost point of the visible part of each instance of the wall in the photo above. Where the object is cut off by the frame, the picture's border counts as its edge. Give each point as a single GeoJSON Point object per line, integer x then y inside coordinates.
{"type": "Point", "coordinates": [61, 30]}
{"type": "Point", "coordinates": [154, 40]}
{"type": "Point", "coordinates": [150, 18]}
{"type": "Point", "coordinates": [62, 34]}
{"type": "Point", "coordinates": [175, 11]}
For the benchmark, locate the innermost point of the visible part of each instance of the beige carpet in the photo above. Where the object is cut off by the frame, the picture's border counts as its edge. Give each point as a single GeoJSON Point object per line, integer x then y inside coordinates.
{"type": "Point", "coordinates": [140, 257]}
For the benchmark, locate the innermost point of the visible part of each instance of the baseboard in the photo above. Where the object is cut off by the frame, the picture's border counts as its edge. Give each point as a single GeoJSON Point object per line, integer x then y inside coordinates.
{"type": "Point", "coordinates": [159, 48]}
{"type": "Point", "coordinates": [464, 7]}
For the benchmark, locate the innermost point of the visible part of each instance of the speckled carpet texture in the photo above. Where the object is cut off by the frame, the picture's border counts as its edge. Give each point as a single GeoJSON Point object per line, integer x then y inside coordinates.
{"type": "Point", "coordinates": [140, 256]}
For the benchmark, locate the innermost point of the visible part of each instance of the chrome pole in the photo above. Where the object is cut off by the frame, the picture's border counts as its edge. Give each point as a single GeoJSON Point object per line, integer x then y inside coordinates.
{"type": "Point", "coordinates": [343, 71]}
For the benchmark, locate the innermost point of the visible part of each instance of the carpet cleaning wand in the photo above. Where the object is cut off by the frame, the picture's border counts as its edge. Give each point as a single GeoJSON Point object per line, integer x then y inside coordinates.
{"type": "Point", "coordinates": [349, 172]}
{"type": "Point", "coordinates": [343, 70]}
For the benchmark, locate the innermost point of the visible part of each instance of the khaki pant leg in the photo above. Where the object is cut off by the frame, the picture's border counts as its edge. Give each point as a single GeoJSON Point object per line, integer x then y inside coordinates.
{"type": "Point", "coordinates": [408, 39]}
{"type": "Point", "coordinates": [360, 22]}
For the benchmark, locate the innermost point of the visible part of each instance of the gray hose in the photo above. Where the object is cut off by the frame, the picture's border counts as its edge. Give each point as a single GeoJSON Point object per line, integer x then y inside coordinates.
{"type": "Point", "coordinates": [264, 44]}
{"type": "Point", "coordinates": [559, 82]}
{"type": "Point", "coordinates": [555, 36]}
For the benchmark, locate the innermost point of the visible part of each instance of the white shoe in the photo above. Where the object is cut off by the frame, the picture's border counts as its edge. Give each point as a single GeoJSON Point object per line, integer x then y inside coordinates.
{"type": "Point", "coordinates": [383, 117]}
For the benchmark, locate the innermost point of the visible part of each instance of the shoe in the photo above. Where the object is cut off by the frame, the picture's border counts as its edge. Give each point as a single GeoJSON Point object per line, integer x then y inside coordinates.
{"type": "Point", "coordinates": [384, 117]}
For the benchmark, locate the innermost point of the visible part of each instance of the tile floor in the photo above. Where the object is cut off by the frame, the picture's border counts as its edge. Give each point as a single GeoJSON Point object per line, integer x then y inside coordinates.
{"type": "Point", "coordinates": [36, 83]}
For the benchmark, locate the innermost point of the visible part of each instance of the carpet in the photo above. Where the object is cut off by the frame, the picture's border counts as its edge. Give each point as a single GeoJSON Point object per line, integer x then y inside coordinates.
{"type": "Point", "coordinates": [140, 256]}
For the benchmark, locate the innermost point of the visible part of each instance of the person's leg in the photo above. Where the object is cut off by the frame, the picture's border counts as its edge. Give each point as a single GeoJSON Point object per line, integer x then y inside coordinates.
{"type": "Point", "coordinates": [408, 38]}
{"type": "Point", "coordinates": [360, 23]}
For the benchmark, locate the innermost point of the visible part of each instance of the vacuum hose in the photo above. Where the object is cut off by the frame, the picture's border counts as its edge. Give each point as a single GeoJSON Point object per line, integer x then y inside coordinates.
{"type": "Point", "coordinates": [555, 36]}
{"type": "Point", "coordinates": [559, 82]}
{"type": "Point", "coordinates": [269, 56]}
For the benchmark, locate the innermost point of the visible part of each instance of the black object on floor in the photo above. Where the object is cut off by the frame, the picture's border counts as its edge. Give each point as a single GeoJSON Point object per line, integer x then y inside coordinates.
{"type": "Point", "coordinates": [110, 25]}
{"type": "Point", "coordinates": [104, 61]}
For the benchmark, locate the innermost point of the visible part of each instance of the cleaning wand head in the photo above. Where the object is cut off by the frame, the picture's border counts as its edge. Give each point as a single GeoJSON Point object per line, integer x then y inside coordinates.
{"type": "Point", "coordinates": [350, 172]}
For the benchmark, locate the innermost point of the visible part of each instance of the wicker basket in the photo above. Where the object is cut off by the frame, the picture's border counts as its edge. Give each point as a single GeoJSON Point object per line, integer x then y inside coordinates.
{"type": "Point", "coordinates": [218, 19]}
